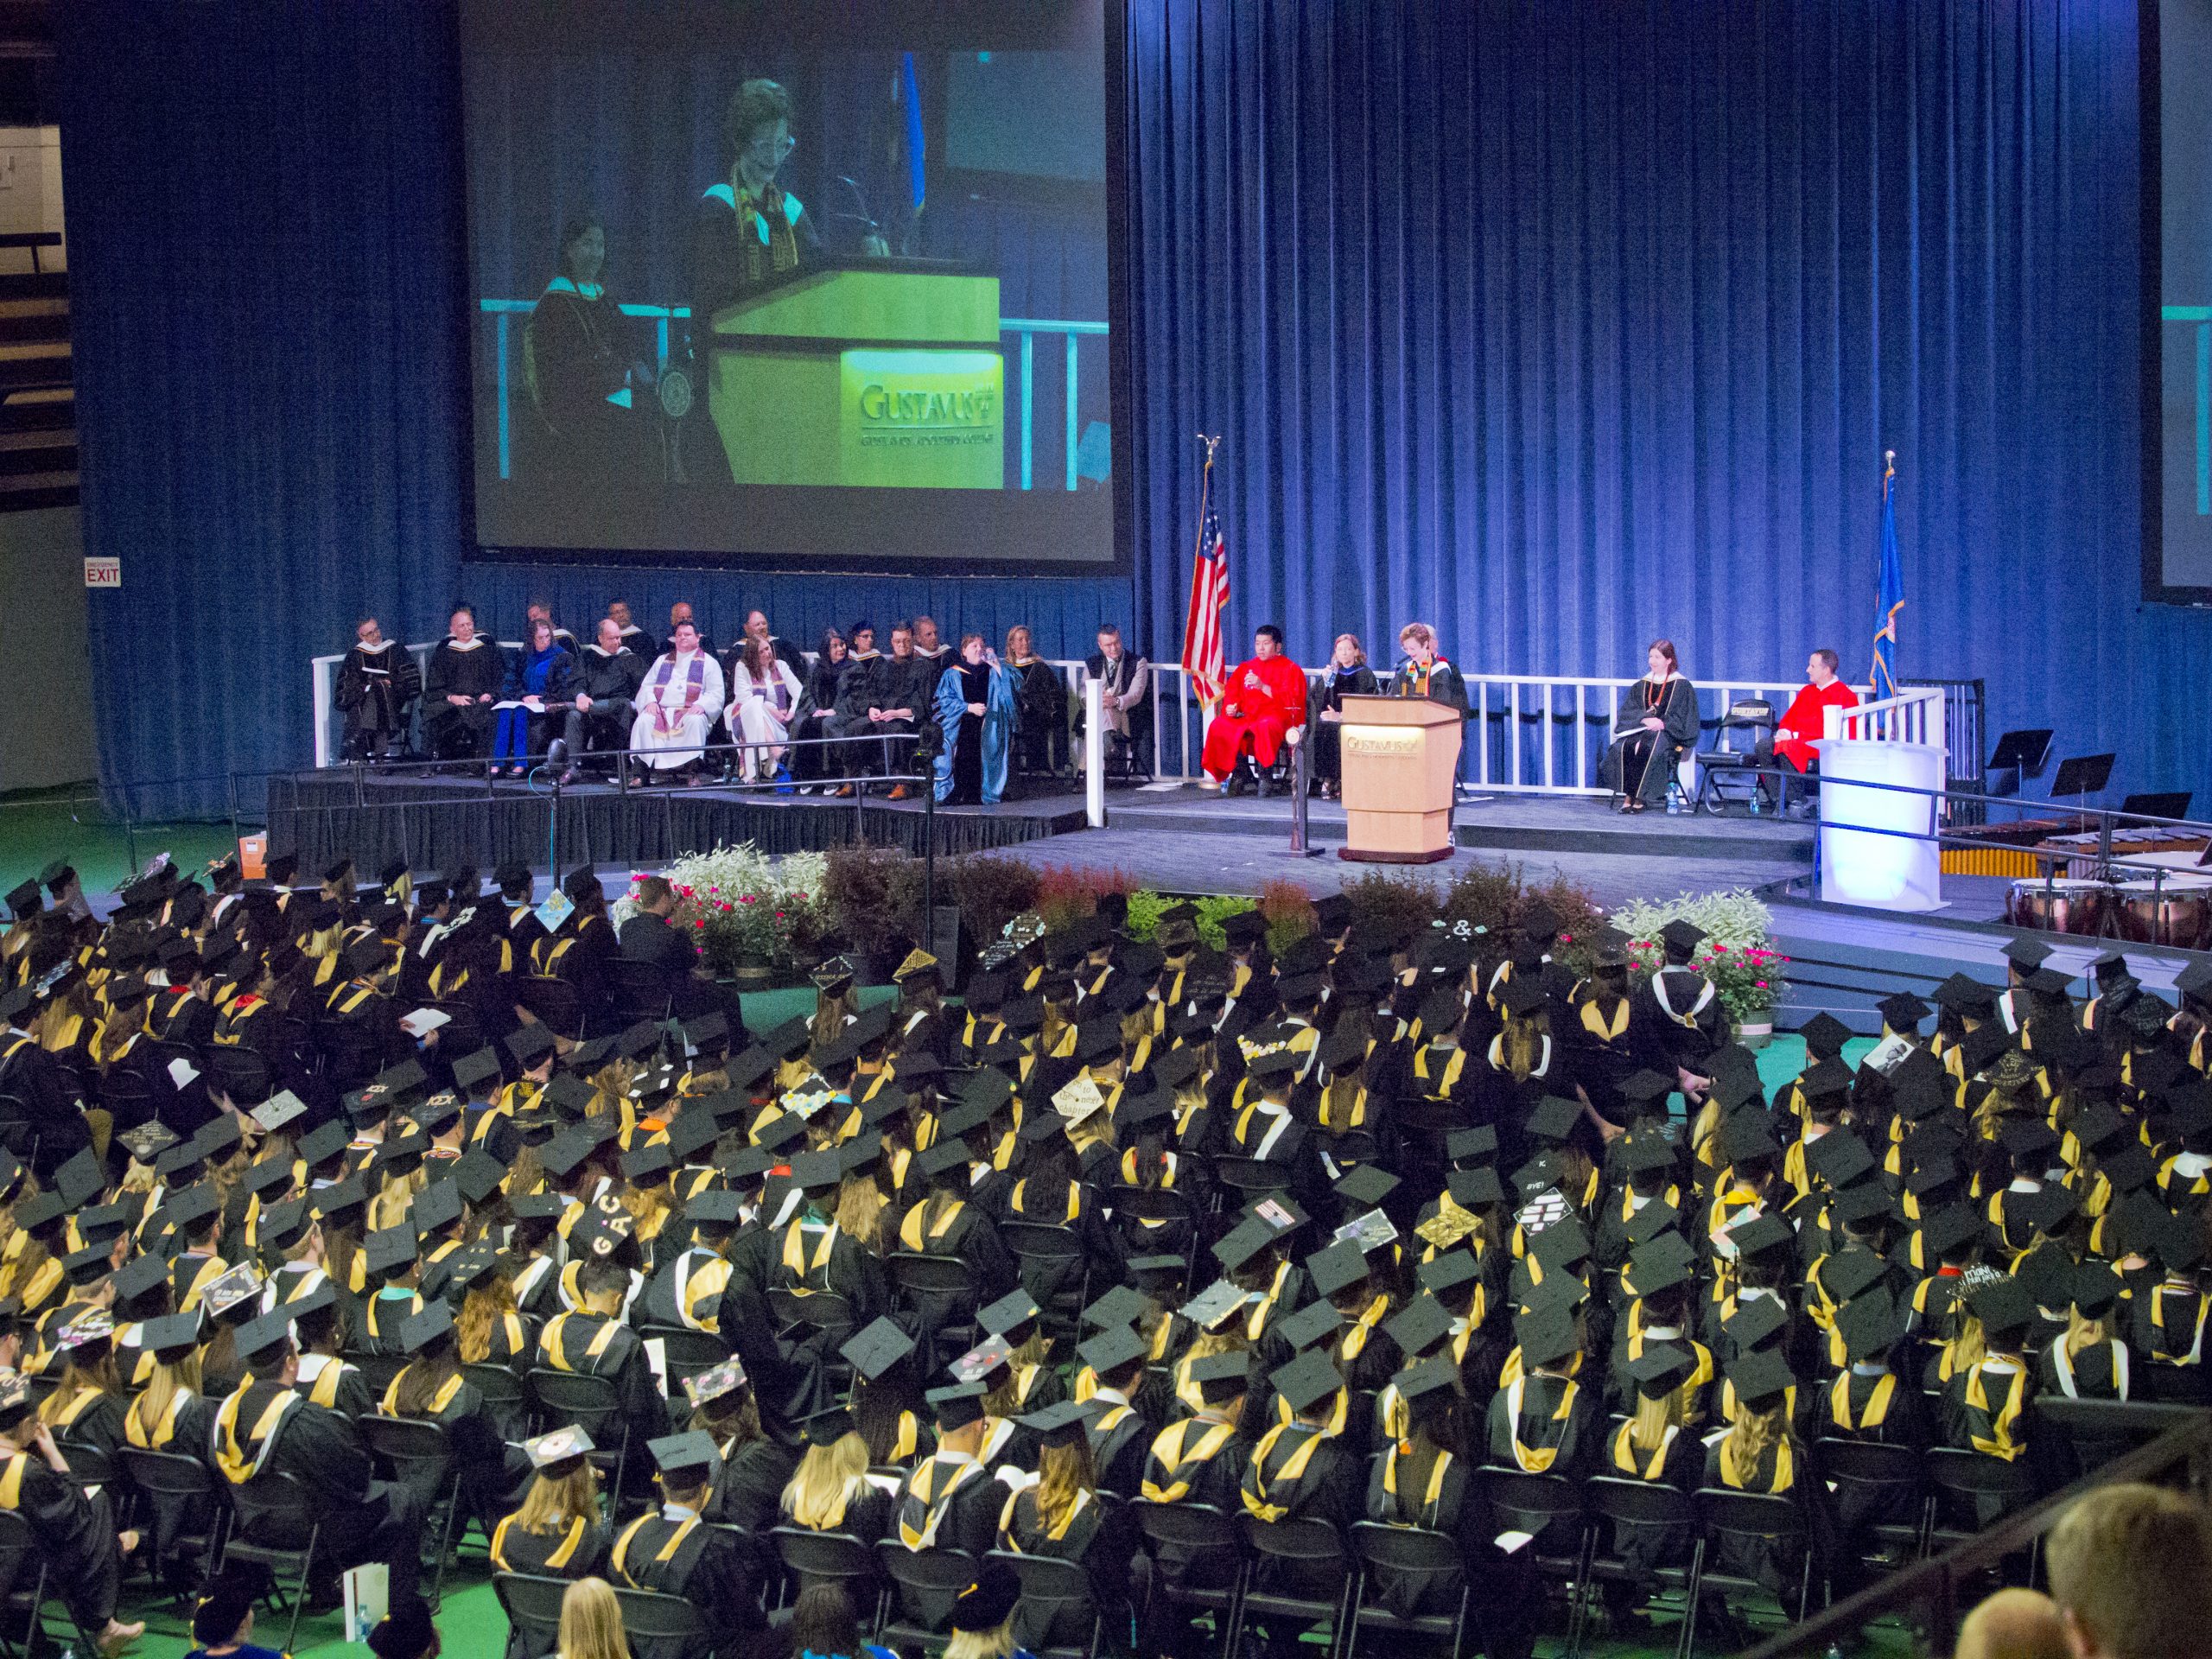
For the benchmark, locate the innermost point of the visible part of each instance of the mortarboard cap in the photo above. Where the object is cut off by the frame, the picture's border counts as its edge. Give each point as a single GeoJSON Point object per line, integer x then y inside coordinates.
{"type": "Point", "coordinates": [1305, 1381]}
{"type": "Point", "coordinates": [876, 1349]}
{"type": "Point", "coordinates": [1760, 1379]}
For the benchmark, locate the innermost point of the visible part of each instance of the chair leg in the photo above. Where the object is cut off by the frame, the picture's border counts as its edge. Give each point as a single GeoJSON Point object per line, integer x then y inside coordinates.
{"type": "Point", "coordinates": [1686, 1645]}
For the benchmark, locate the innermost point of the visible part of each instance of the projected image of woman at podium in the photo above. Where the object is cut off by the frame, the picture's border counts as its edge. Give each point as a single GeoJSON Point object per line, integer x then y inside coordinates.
{"type": "Point", "coordinates": [1657, 721]}
{"type": "Point", "coordinates": [584, 365]}
{"type": "Point", "coordinates": [749, 228]}
{"type": "Point", "coordinates": [1347, 675]}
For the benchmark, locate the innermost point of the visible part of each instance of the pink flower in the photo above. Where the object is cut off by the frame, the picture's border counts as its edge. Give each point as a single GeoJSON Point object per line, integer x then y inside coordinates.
{"type": "Point", "coordinates": [1567, 938]}
{"type": "Point", "coordinates": [1759, 983]}
{"type": "Point", "coordinates": [701, 922]}
{"type": "Point", "coordinates": [745, 898]}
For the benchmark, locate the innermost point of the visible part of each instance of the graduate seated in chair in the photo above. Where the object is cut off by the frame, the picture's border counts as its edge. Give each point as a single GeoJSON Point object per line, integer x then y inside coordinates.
{"type": "Point", "coordinates": [84, 1553]}
{"type": "Point", "coordinates": [1262, 709]}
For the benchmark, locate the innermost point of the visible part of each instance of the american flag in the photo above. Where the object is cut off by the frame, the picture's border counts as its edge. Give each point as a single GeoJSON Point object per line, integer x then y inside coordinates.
{"type": "Point", "coordinates": [1202, 656]}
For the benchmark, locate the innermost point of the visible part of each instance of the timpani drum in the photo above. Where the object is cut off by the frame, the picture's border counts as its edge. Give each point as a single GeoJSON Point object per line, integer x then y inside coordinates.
{"type": "Point", "coordinates": [2061, 907]}
{"type": "Point", "coordinates": [2176, 912]}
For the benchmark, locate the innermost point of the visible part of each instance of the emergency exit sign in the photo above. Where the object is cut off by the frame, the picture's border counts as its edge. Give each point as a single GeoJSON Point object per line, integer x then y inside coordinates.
{"type": "Point", "coordinates": [104, 573]}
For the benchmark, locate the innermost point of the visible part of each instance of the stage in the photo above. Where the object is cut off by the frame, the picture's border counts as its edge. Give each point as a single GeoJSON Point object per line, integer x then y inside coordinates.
{"type": "Point", "coordinates": [1178, 839]}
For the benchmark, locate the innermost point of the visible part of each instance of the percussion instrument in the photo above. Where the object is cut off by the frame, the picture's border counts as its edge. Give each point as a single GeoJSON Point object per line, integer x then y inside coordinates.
{"type": "Point", "coordinates": [2177, 911]}
{"type": "Point", "coordinates": [2062, 907]}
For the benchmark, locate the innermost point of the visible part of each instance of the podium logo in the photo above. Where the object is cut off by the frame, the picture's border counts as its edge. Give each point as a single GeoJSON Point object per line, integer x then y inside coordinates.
{"type": "Point", "coordinates": [926, 408]}
{"type": "Point", "coordinates": [1382, 740]}
{"type": "Point", "coordinates": [922, 417]}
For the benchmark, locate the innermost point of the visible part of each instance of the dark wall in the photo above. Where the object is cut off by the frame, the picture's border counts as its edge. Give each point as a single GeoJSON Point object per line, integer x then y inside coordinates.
{"type": "Point", "coordinates": [1560, 326]}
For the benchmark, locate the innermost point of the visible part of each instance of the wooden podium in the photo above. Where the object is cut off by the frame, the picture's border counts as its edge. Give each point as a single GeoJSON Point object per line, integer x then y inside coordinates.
{"type": "Point", "coordinates": [885, 372]}
{"type": "Point", "coordinates": [1399, 756]}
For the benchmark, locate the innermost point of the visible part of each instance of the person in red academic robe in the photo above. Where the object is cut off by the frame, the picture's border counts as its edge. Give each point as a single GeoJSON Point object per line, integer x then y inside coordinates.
{"type": "Point", "coordinates": [1803, 726]}
{"type": "Point", "coordinates": [1264, 700]}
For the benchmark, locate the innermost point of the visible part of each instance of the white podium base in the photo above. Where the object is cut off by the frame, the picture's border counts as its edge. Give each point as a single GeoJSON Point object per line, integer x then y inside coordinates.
{"type": "Point", "coordinates": [1869, 854]}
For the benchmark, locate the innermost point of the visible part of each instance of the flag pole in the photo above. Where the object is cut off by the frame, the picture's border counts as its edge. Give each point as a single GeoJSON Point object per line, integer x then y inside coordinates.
{"type": "Point", "coordinates": [1199, 541]}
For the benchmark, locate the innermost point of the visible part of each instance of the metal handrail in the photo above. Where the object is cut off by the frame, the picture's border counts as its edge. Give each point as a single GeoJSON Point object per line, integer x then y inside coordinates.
{"type": "Point", "coordinates": [1935, 1583]}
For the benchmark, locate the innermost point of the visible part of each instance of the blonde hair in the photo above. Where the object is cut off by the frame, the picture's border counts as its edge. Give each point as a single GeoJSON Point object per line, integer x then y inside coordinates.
{"type": "Point", "coordinates": [827, 1479]}
{"type": "Point", "coordinates": [100, 1375]}
{"type": "Point", "coordinates": [1647, 1430]}
{"type": "Point", "coordinates": [487, 1303]}
{"type": "Point", "coordinates": [1752, 1433]}
{"type": "Point", "coordinates": [1420, 630]}
{"type": "Point", "coordinates": [389, 1206]}
{"type": "Point", "coordinates": [167, 1382]}
{"type": "Point", "coordinates": [860, 1207]}
{"type": "Point", "coordinates": [591, 1622]}
{"type": "Point", "coordinates": [552, 1504]}
{"type": "Point", "coordinates": [1064, 1473]}
{"type": "Point", "coordinates": [2083, 1332]}
{"type": "Point", "coordinates": [981, 1644]}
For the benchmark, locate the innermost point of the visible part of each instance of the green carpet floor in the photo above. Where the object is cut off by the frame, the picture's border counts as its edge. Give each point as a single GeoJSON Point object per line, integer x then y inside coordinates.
{"type": "Point", "coordinates": [35, 829]}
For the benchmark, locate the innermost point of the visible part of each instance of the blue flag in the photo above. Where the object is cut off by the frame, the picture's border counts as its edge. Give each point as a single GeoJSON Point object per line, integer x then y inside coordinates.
{"type": "Point", "coordinates": [1891, 599]}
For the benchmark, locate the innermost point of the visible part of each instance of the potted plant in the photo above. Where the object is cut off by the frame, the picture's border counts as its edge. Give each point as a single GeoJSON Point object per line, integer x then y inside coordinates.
{"type": "Point", "coordinates": [1738, 953]}
{"type": "Point", "coordinates": [750, 914]}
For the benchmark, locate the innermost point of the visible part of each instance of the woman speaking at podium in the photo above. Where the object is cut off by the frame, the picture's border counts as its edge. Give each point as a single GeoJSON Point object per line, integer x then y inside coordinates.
{"type": "Point", "coordinates": [750, 229]}
{"type": "Point", "coordinates": [1656, 719]}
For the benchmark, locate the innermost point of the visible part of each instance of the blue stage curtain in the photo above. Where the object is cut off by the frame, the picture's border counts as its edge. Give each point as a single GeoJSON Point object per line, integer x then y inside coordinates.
{"type": "Point", "coordinates": [1063, 616]}
{"type": "Point", "coordinates": [266, 279]}
{"type": "Point", "coordinates": [1564, 327]}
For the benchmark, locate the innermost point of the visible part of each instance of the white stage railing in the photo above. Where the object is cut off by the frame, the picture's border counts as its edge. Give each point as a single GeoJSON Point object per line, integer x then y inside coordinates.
{"type": "Point", "coordinates": [1915, 715]}
{"type": "Point", "coordinates": [1531, 733]}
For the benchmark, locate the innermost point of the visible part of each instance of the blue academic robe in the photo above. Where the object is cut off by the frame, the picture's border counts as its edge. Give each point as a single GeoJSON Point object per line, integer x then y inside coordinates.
{"type": "Point", "coordinates": [998, 723]}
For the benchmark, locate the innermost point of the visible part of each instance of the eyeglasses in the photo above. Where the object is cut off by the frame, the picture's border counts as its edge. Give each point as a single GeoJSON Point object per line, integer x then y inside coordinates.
{"type": "Point", "coordinates": [782, 147]}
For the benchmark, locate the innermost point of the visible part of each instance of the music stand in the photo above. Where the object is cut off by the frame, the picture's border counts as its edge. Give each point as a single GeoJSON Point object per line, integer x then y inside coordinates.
{"type": "Point", "coordinates": [2171, 804]}
{"type": "Point", "coordinates": [2019, 754]}
{"type": "Point", "coordinates": [2084, 774]}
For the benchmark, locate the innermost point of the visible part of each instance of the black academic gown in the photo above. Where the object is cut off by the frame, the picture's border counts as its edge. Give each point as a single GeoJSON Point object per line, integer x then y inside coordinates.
{"type": "Point", "coordinates": [1096, 1538]}
{"type": "Point", "coordinates": [1328, 696]}
{"type": "Point", "coordinates": [679, 1555]}
{"type": "Point", "coordinates": [749, 1487]}
{"type": "Point", "coordinates": [462, 732]}
{"type": "Point", "coordinates": [594, 1345]}
{"type": "Point", "coordinates": [75, 1534]}
{"type": "Point", "coordinates": [1438, 1504]}
{"type": "Point", "coordinates": [1632, 766]}
{"type": "Point", "coordinates": [363, 1519]}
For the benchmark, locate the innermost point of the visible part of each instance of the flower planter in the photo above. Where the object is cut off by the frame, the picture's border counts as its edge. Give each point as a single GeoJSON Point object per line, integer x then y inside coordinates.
{"type": "Point", "coordinates": [1756, 1031]}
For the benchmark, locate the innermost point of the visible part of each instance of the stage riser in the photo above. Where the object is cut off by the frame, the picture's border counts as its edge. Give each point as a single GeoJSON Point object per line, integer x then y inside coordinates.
{"type": "Point", "coordinates": [1646, 836]}
{"type": "Point", "coordinates": [436, 828]}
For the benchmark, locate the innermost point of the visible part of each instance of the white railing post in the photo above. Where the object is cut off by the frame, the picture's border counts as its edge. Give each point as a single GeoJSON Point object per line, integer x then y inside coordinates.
{"type": "Point", "coordinates": [1094, 753]}
{"type": "Point", "coordinates": [322, 671]}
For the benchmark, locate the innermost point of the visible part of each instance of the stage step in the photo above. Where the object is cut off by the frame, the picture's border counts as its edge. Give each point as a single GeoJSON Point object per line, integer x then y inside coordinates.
{"type": "Point", "coordinates": [1524, 823]}
{"type": "Point", "coordinates": [1846, 959]}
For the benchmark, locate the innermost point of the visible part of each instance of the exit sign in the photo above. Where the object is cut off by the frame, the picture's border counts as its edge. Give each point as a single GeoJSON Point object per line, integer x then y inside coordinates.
{"type": "Point", "coordinates": [103, 573]}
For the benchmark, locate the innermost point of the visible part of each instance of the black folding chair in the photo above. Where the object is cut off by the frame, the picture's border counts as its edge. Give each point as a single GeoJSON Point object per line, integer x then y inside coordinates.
{"type": "Point", "coordinates": [191, 1486]}
{"type": "Point", "coordinates": [1193, 1531]}
{"type": "Point", "coordinates": [1772, 1521]}
{"type": "Point", "coordinates": [1251, 1178]}
{"type": "Point", "coordinates": [947, 1278]}
{"type": "Point", "coordinates": [1051, 1589]}
{"type": "Point", "coordinates": [1550, 1509]}
{"type": "Point", "coordinates": [1173, 1213]}
{"type": "Point", "coordinates": [639, 990]}
{"type": "Point", "coordinates": [554, 1003]}
{"type": "Point", "coordinates": [379, 1371]}
{"type": "Point", "coordinates": [23, 1580]}
{"type": "Point", "coordinates": [1314, 1551]}
{"type": "Point", "coordinates": [275, 1512]}
{"type": "Point", "coordinates": [924, 1583]}
{"type": "Point", "coordinates": [656, 1624]}
{"type": "Point", "coordinates": [1413, 1552]}
{"type": "Point", "coordinates": [688, 1352]}
{"type": "Point", "coordinates": [532, 1605]}
{"type": "Point", "coordinates": [1052, 1266]}
{"type": "Point", "coordinates": [419, 1453]}
{"type": "Point", "coordinates": [241, 1073]}
{"type": "Point", "coordinates": [505, 1400]}
{"type": "Point", "coordinates": [1615, 1503]}
{"type": "Point", "coordinates": [1718, 767]}
{"type": "Point", "coordinates": [592, 1404]}
{"type": "Point", "coordinates": [1876, 1481]}
{"type": "Point", "coordinates": [811, 1558]}
{"type": "Point", "coordinates": [1966, 1483]}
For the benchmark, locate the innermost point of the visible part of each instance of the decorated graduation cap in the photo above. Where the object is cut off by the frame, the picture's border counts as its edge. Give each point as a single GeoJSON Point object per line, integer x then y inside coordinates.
{"type": "Point", "coordinates": [560, 1453]}
{"type": "Point", "coordinates": [279, 1111]}
{"type": "Point", "coordinates": [1212, 1306]}
{"type": "Point", "coordinates": [979, 1362]}
{"type": "Point", "coordinates": [715, 1382]}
